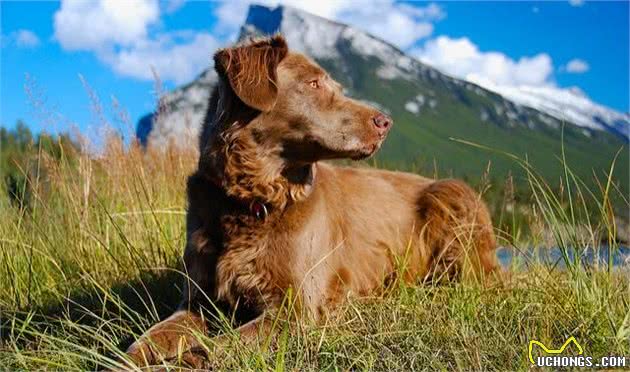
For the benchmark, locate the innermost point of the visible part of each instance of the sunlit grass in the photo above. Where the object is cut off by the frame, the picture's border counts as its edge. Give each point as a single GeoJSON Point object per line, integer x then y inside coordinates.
{"type": "Point", "coordinates": [95, 261]}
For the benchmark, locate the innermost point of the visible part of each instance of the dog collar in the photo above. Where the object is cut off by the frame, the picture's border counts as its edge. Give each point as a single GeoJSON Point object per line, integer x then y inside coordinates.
{"type": "Point", "coordinates": [255, 207]}
{"type": "Point", "coordinates": [258, 209]}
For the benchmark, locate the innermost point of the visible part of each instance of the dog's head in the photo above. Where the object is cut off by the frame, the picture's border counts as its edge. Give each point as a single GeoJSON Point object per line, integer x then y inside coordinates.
{"type": "Point", "coordinates": [298, 108]}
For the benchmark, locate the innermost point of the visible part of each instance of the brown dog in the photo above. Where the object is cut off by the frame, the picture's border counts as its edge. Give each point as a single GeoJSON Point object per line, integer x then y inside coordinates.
{"type": "Point", "coordinates": [266, 215]}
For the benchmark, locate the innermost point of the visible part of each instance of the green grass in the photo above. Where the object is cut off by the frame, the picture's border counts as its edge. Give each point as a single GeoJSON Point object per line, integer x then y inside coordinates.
{"type": "Point", "coordinates": [94, 261]}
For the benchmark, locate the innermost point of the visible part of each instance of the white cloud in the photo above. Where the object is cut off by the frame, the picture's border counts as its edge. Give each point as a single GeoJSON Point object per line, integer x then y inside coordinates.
{"type": "Point", "coordinates": [430, 12]}
{"type": "Point", "coordinates": [527, 81]}
{"type": "Point", "coordinates": [576, 66]}
{"type": "Point", "coordinates": [399, 24]}
{"type": "Point", "coordinates": [21, 38]}
{"type": "Point", "coordinates": [577, 2]}
{"type": "Point", "coordinates": [231, 14]}
{"type": "Point", "coordinates": [177, 59]}
{"type": "Point", "coordinates": [94, 25]}
{"type": "Point", "coordinates": [26, 39]}
{"type": "Point", "coordinates": [172, 6]}
{"type": "Point", "coordinates": [120, 34]}
{"type": "Point", "coordinates": [125, 34]}
{"type": "Point", "coordinates": [462, 58]}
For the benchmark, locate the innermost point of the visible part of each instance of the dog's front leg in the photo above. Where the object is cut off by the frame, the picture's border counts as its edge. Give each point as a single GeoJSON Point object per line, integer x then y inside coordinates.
{"type": "Point", "coordinates": [259, 331]}
{"type": "Point", "coordinates": [177, 337]}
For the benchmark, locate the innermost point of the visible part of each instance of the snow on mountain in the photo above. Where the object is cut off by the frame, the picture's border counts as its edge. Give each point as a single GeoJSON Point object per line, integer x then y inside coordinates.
{"type": "Point", "coordinates": [317, 36]}
{"type": "Point", "coordinates": [181, 113]}
{"type": "Point", "coordinates": [567, 105]}
{"type": "Point", "coordinates": [412, 107]}
{"type": "Point", "coordinates": [320, 38]}
{"type": "Point", "coordinates": [416, 104]}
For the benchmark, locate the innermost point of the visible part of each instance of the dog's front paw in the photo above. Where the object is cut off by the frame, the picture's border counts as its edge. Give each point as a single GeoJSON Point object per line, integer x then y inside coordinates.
{"type": "Point", "coordinates": [141, 354]}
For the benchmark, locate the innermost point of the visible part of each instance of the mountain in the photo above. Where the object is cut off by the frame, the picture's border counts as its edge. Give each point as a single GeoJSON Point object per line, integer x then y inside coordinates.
{"type": "Point", "coordinates": [570, 104]}
{"type": "Point", "coordinates": [180, 113]}
{"type": "Point", "coordinates": [429, 108]}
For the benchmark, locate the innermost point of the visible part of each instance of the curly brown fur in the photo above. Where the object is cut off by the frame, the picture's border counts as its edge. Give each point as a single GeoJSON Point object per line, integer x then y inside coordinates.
{"type": "Point", "coordinates": [253, 173]}
{"type": "Point", "coordinates": [458, 230]}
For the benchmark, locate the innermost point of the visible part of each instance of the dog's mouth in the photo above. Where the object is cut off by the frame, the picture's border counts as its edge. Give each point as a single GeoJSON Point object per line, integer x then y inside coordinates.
{"type": "Point", "coordinates": [365, 151]}
{"type": "Point", "coordinates": [311, 149]}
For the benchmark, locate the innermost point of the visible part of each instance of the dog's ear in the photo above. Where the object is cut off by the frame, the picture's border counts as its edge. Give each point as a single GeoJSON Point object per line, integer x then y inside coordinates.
{"type": "Point", "coordinates": [251, 70]}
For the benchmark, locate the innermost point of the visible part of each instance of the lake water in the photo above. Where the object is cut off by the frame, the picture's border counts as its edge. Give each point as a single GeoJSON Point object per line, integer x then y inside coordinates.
{"type": "Point", "coordinates": [589, 256]}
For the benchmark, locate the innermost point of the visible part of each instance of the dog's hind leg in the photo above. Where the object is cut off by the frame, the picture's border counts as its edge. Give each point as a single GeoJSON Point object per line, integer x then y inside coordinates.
{"type": "Point", "coordinates": [457, 231]}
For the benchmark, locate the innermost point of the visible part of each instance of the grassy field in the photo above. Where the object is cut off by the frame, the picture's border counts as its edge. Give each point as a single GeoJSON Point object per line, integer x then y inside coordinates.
{"type": "Point", "coordinates": [94, 260]}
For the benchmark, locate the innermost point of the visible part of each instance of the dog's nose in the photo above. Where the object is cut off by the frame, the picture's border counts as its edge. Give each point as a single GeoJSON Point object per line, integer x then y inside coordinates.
{"type": "Point", "coordinates": [382, 123]}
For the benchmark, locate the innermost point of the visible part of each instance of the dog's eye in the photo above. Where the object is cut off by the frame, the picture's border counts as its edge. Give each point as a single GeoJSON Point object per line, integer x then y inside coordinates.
{"type": "Point", "coordinates": [314, 84]}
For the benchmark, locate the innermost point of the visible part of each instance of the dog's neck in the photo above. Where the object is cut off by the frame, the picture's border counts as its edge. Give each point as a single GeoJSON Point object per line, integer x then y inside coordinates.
{"type": "Point", "coordinates": [245, 169]}
{"type": "Point", "coordinates": [252, 173]}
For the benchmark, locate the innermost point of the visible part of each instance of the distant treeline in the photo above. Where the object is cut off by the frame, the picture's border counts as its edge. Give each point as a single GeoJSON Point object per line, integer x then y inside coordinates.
{"type": "Point", "coordinates": [20, 156]}
{"type": "Point", "coordinates": [26, 161]}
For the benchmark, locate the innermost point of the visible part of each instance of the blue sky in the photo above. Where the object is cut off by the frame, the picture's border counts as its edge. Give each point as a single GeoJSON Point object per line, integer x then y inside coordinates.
{"type": "Point", "coordinates": [113, 46]}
